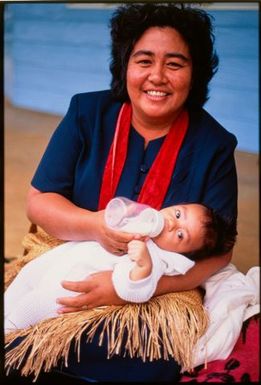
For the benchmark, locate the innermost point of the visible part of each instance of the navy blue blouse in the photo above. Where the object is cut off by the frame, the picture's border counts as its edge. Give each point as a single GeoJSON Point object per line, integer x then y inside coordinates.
{"type": "Point", "coordinates": [73, 162]}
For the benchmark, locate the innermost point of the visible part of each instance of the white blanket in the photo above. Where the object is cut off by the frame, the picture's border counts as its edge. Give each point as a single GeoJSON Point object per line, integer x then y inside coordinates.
{"type": "Point", "coordinates": [231, 298]}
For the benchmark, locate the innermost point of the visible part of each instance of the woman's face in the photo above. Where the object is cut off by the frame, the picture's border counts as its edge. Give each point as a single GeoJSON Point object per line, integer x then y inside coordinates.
{"type": "Point", "coordinates": [183, 231]}
{"type": "Point", "coordinates": [159, 75]}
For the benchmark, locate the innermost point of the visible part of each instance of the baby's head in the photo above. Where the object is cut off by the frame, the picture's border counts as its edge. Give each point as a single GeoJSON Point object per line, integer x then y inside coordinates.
{"type": "Point", "coordinates": [196, 231]}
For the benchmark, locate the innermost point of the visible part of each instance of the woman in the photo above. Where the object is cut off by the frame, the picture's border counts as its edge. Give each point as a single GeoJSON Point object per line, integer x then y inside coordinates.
{"type": "Point", "coordinates": [148, 139]}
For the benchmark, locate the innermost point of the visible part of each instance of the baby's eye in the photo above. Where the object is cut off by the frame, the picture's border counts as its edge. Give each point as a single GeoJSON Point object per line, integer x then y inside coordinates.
{"type": "Point", "coordinates": [180, 234]}
{"type": "Point", "coordinates": [178, 214]}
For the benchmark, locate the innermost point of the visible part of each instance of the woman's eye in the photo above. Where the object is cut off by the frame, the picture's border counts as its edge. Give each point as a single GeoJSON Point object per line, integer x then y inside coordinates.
{"type": "Point", "coordinates": [180, 234]}
{"type": "Point", "coordinates": [144, 62]}
{"type": "Point", "coordinates": [177, 214]}
{"type": "Point", "coordinates": [174, 65]}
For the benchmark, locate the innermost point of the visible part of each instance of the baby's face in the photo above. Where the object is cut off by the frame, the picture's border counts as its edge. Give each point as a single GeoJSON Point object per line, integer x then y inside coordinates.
{"type": "Point", "coordinates": [183, 231]}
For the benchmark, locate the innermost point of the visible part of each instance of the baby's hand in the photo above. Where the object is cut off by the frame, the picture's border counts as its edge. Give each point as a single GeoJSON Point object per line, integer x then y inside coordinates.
{"type": "Point", "coordinates": [138, 252]}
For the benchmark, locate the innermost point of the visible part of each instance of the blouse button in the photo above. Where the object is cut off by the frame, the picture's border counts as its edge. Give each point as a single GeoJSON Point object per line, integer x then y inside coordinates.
{"type": "Point", "coordinates": [144, 168]}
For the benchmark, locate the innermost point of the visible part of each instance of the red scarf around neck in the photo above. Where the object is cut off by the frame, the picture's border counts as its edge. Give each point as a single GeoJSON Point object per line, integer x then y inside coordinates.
{"type": "Point", "coordinates": [158, 179]}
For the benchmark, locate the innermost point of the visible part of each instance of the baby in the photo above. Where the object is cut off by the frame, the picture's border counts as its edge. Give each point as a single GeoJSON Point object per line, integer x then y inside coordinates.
{"type": "Point", "coordinates": [190, 229]}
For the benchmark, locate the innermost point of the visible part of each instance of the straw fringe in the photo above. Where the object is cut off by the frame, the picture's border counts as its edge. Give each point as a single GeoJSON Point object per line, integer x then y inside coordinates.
{"type": "Point", "coordinates": [35, 243]}
{"type": "Point", "coordinates": [166, 326]}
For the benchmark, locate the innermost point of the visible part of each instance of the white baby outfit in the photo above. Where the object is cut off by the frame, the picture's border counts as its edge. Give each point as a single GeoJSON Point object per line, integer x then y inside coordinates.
{"type": "Point", "coordinates": [32, 295]}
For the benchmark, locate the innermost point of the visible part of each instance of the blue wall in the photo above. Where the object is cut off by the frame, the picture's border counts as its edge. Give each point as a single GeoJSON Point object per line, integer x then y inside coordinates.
{"type": "Point", "coordinates": [53, 51]}
{"type": "Point", "coordinates": [234, 92]}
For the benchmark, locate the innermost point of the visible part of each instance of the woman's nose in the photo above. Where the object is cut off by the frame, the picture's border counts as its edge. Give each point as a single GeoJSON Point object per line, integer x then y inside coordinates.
{"type": "Point", "coordinates": [157, 74]}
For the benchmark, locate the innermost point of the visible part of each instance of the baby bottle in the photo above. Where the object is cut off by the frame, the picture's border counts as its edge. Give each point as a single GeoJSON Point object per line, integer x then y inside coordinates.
{"type": "Point", "coordinates": [132, 217]}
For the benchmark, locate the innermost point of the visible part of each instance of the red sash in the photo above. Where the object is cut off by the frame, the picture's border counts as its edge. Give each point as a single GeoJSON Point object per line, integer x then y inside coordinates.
{"type": "Point", "coordinates": [158, 179]}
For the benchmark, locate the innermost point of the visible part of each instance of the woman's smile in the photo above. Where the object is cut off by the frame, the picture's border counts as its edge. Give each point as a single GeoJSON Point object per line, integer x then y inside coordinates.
{"type": "Point", "coordinates": [157, 96]}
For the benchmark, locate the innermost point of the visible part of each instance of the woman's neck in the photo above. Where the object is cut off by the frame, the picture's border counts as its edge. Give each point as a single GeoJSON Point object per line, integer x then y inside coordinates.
{"type": "Point", "coordinates": [151, 129]}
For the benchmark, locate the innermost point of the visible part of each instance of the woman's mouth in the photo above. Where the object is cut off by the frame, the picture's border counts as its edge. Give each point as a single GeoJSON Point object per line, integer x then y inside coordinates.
{"type": "Point", "coordinates": [156, 94]}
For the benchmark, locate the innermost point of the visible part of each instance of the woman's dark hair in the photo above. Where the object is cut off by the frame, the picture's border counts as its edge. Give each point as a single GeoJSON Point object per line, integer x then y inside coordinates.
{"type": "Point", "coordinates": [219, 235]}
{"type": "Point", "coordinates": [130, 21]}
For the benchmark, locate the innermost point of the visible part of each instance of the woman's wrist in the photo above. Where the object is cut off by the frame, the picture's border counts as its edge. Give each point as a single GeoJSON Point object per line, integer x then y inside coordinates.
{"type": "Point", "coordinates": [170, 284]}
{"type": "Point", "coordinates": [87, 225]}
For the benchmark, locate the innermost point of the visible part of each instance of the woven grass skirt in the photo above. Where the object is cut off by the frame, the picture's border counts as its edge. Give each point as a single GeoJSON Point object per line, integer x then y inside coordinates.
{"type": "Point", "coordinates": [167, 326]}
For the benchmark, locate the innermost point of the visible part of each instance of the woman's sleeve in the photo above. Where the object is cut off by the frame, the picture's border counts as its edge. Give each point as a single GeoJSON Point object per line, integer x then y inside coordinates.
{"type": "Point", "coordinates": [221, 190]}
{"type": "Point", "coordinates": [55, 172]}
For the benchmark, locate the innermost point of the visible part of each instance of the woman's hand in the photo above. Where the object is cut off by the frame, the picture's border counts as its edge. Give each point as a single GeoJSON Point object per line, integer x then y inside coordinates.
{"type": "Point", "coordinates": [115, 242]}
{"type": "Point", "coordinates": [96, 290]}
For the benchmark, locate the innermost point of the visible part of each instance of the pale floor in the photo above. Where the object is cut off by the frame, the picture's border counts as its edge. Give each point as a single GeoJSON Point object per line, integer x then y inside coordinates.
{"type": "Point", "coordinates": [26, 136]}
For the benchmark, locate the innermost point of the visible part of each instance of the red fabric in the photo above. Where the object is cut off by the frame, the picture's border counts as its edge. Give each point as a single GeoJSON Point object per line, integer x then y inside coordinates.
{"type": "Point", "coordinates": [242, 366]}
{"type": "Point", "coordinates": [158, 179]}
{"type": "Point", "coordinates": [116, 158]}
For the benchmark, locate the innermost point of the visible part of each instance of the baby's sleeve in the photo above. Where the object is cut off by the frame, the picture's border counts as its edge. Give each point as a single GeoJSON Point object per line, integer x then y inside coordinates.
{"type": "Point", "coordinates": [136, 291]}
